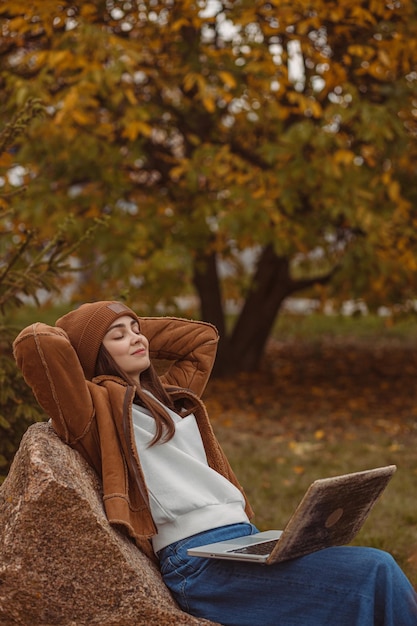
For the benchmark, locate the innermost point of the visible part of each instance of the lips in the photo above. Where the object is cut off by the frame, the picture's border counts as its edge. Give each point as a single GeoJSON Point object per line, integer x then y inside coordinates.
{"type": "Point", "coordinates": [140, 351]}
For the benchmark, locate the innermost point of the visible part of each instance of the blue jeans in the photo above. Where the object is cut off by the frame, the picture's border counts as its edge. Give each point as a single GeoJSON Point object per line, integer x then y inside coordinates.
{"type": "Point", "coordinates": [347, 586]}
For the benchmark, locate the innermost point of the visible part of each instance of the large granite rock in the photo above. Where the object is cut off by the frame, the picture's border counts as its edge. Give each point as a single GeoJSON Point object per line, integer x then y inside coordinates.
{"type": "Point", "coordinates": [61, 563]}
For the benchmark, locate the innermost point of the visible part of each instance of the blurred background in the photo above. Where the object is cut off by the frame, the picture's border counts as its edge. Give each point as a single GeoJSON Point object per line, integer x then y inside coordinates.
{"type": "Point", "coordinates": [251, 164]}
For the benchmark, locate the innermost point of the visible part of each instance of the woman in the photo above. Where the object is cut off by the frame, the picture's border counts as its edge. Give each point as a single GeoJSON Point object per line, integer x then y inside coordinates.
{"type": "Point", "coordinates": [167, 481]}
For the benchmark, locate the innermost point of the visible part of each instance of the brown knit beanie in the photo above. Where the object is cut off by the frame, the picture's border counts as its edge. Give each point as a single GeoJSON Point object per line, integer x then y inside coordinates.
{"type": "Point", "coordinates": [86, 327]}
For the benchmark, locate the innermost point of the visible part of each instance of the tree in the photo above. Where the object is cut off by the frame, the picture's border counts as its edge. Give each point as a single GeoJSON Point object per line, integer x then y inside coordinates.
{"type": "Point", "coordinates": [30, 265]}
{"type": "Point", "coordinates": [287, 129]}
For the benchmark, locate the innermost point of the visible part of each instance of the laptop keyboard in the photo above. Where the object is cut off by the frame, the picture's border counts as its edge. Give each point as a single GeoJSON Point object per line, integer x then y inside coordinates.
{"type": "Point", "coordinates": [258, 548]}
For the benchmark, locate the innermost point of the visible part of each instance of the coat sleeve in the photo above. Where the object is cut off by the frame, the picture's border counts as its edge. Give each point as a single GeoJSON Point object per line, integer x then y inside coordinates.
{"type": "Point", "coordinates": [189, 345]}
{"type": "Point", "coordinates": [50, 366]}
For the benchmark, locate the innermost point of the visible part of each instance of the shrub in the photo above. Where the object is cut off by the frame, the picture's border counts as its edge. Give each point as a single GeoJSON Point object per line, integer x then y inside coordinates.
{"type": "Point", "coordinates": [30, 264]}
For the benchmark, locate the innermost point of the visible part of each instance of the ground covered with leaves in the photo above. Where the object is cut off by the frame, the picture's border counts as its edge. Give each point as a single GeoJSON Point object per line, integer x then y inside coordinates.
{"type": "Point", "coordinates": [333, 389]}
{"type": "Point", "coordinates": [320, 408]}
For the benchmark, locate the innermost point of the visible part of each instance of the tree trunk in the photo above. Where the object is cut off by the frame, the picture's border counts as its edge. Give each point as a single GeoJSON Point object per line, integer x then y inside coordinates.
{"type": "Point", "coordinates": [271, 284]}
{"type": "Point", "coordinates": [207, 284]}
{"type": "Point", "coordinates": [243, 349]}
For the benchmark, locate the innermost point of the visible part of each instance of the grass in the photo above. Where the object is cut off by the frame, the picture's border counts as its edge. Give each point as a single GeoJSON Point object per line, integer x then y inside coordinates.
{"type": "Point", "coordinates": [304, 422]}
{"type": "Point", "coordinates": [365, 328]}
{"type": "Point", "coordinates": [276, 472]}
{"type": "Point", "coordinates": [25, 315]}
{"type": "Point", "coordinates": [315, 423]}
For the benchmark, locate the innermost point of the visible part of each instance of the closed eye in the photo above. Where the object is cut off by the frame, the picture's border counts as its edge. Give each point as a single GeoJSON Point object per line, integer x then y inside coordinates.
{"type": "Point", "coordinates": [122, 328]}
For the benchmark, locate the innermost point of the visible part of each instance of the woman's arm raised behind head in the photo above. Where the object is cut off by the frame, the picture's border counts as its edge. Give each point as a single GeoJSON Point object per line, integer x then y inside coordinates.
{"type": "Point", "coordinates": [50, 366]}
{"type": "Point", "coordinates": [189, 345]}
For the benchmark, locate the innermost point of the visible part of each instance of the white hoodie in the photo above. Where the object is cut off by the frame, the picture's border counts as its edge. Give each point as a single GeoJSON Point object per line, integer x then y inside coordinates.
{"type": "Point", "coordinates": [186, 496]}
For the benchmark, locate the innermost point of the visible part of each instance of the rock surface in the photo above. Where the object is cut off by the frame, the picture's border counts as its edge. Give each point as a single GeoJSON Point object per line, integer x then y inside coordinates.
{"type": "Point", "coordinates": [61, 563]}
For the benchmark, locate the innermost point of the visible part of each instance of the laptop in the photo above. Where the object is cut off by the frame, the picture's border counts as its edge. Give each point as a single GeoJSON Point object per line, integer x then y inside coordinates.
{"type": "Point", "coordinates": [331, 513]}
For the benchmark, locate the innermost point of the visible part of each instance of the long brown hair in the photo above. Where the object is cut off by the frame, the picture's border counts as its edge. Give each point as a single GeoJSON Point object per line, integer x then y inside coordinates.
{"type": "Point", "coordinates": [149, 379]}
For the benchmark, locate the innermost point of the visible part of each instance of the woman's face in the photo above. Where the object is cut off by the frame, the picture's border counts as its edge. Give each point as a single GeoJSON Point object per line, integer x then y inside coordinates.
{"type": "Point", "coordinates": [129, 349]}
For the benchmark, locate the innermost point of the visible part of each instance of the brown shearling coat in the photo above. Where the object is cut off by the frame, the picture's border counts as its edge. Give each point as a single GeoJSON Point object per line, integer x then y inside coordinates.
{"type": "Point", "coordinates": [95, 417]}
